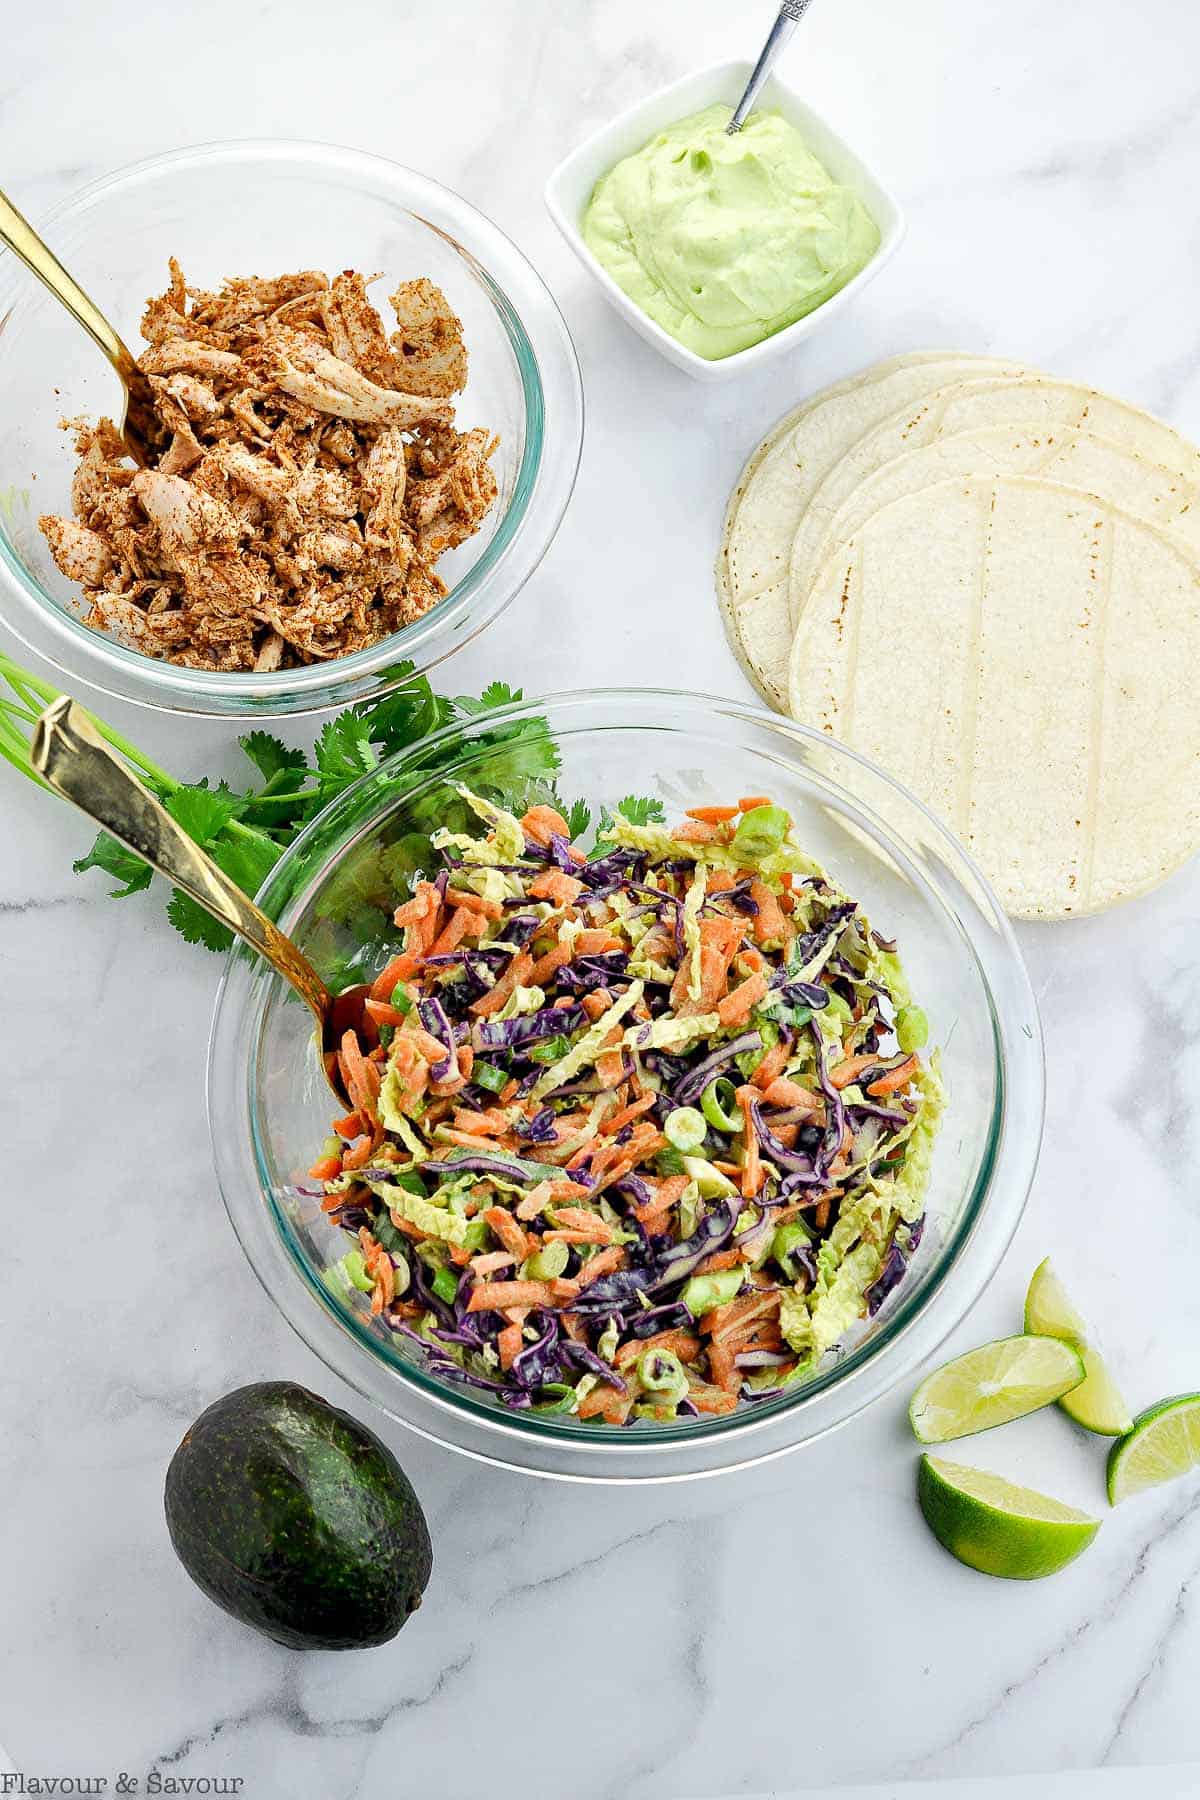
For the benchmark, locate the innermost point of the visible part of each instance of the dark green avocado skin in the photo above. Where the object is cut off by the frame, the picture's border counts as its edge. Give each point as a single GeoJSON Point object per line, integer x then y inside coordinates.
{"type": "Point", "coordinates": [297, 1520]}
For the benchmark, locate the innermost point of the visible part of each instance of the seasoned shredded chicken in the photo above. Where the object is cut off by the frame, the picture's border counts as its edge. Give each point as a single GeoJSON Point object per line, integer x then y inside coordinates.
{"type": "Point", "coordinates": [311, 477]}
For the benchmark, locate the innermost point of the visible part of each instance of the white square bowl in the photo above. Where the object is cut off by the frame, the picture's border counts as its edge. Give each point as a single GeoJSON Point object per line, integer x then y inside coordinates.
{"type": "Point", "coordinates": [570, 188]}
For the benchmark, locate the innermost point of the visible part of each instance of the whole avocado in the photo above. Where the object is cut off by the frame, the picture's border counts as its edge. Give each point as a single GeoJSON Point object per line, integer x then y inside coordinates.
{"type": "Point", "coordinates": [297, 1520]}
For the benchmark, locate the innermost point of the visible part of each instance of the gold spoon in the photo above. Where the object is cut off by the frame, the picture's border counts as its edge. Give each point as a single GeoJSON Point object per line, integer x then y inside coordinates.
{"type": "Point", "coordinates": [69, 754]}
{"type": "Point", "coordinates": [138, 424]}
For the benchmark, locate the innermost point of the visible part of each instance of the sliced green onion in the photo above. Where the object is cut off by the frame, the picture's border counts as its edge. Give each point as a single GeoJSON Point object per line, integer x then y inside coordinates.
{"type": "Point", "coordinates": [661, 1373]}
{"type": "Point", "coordinates": [401, 999]}
{"type": "Point", "coordinates": [912, 1028]}
{"type": "Point", "coordinates": [669, 1162]}
{"type": "Point", "coordinates": [356, 1269]}
{"type": "Point", "coordinates": [488, 1076]}
{"type": "Point", "coordinates": [719, 1105]}
{"type": "Point", "coordinates": [759, 832]}
{"type": "Point", "coordinates": [445, 1283]}
{"type": "Point", "coordinates": [704, 1292]}
{"type": "Point", "coordinates": [551, 1050]}
{"type": "Point", "coordinates": [790, 1236]}
{"type": "Point", "coordinates": [563, 1401]}
{"type": "Point", "coordinates": [332, 1146]}
{"type": "Point", "coordinates": [685, 1128]}
{"type": "Point", "coordinates": [546, 1264]}
{"type": "Point", "coordinates": [386, 1034]}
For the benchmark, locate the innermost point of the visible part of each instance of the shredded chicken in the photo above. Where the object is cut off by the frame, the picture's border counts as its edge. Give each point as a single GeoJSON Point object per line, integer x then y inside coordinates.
{"type": "Point", "coordinates": [311, 480]}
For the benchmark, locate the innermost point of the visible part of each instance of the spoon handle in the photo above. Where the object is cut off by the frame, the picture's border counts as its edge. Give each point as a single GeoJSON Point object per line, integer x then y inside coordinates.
{"type": "Point", "coordinates": [790, 15]}
{"type": "Point", "coordinates": [71, 757]}
{"type": "Point", "coordinates": [40, 260]}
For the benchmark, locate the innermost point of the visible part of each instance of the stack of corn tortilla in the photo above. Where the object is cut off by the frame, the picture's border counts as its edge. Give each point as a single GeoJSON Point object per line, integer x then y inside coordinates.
{"type": "Point", "coordinates": [987, 580]}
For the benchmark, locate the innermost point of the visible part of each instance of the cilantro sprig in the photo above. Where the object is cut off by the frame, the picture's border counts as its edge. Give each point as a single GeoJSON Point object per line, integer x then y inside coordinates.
{"type": "Point", "coordinates": [246, 829]}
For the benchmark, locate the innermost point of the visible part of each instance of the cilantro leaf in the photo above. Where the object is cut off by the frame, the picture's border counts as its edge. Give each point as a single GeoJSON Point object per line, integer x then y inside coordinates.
{"type": "Point", "coordinates": [642, 810]}
{"type": "Point", "coordinates": [578, 816]}
{"type": "Point", "coordinates": [203, 812]}
{"type": "Point", "coordinates": [116, 860]}
{"type": "Point", "coordinates": [246, 860]}
{"type": "Point", "coordinates": [197, 926]}
{"type": "Point", "coordinates": [343, 752]}
{"type": "Point", "coordinates": [271, 756]}
{"type": "Point", "coordinates": [404, 717]}
{"type": "Point", "coordinates": [495, 695]}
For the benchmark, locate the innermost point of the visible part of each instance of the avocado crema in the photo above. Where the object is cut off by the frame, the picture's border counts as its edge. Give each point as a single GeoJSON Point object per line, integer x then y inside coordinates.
{"type": "Point", "coordinates": [723, 240]}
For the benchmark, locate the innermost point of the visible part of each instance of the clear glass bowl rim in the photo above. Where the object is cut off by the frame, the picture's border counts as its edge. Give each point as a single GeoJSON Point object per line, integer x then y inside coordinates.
{"type": "Point", "coordinates": [450, 1416]}
{"type": "Point", "coordinates": [552, 392]}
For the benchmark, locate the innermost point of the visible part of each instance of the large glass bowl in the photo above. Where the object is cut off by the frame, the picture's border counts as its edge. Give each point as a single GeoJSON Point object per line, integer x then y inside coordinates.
{"type": "Point", "coordinates": [334, 891]}
{"type": "Point", "coordinates": [265, 208]}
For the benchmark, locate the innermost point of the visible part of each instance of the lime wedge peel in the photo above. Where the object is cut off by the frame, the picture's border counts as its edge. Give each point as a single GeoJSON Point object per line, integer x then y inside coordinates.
{"type": "Point", "coordinates": [1097, 1403]}
{"type": "Point", "coordinates": [1164, 1443]}
{"type": "Point", "coordinates": [997, 1527]}
{"type": "Point", "coordinates": [1000, 1381]}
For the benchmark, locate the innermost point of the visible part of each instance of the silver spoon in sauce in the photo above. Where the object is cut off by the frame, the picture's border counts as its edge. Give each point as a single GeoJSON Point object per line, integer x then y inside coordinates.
{"type": "Point", "coordinates": [790, 15]}
{"type": "Point", "coordinates": [72, 758]}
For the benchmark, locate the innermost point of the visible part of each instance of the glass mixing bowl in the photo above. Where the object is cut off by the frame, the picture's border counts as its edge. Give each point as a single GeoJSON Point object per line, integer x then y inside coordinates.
{"type": "Point", "coordinates": [265, 208]}
{"type": "Point", "coordinates": [334, 891]}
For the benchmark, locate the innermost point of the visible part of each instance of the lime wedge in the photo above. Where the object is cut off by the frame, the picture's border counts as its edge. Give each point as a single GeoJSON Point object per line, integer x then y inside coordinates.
{"type": "Point", "coordinates": [999, 1381]}
{"type": "Point", "coordinates": [1097, 1403]}
{"type": "Point", "coordinates": [994, 1526]}
{"type": "Point", "coordinates": [1164, 1443]}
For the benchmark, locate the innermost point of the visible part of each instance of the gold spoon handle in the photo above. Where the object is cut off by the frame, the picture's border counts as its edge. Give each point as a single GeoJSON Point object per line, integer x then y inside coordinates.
{"type": "Point", "coordinates": [40, 260]}
{"type": "Point", "coordinates": [71, 757]}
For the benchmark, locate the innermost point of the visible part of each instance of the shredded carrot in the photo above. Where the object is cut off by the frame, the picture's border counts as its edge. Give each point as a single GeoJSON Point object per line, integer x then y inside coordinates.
{"type": "Point", "coordinates": [359, 1153]}
{"type": "Point", "coordinates": [490, 1296]}
{"type": "Point", "coordinates": [605, 1402]}
{"type": "Point", "coordinates": [515, 976]}
{"type": "Point", "coordinates": [720, 1259]}
{"type": "Point", "coordinates": [556, 886]}
{"type": "Point", "coordinates": [503, 1226]}
{"type": "Point", "coordinates": [894, 1079]}
{"type": "Point", "coordinates": [770, 924]}
{"type": "Point", "coordinates": [678, 1342]}
{"type": "Point", "coordinates": [464, 922]}
{"type": "Point", "coordinates": [628, 1114]}
{"type": "Point", "coordinates": [784, 1093]}
{"type": "Point", "coordinates": [549, 964]}
{"type": "Point", "coordinates": [584, 1227]}
{"type": "Point", "coordinates": [541, 823]}
{"type": "Point", "coordinates": [751, 801]}
{"type": "Point", "coordinates": [327, 1168]}
{"type": "Point", "coordinates": [473, 902]}
{"type": "Point", "coordinates": [712, 815]}
{"type": "Point", "coordinates": [508, 1343]}
{"type": "Point", "coordinates": [735, 1008]}
{"type": "Point", "coordinates": [708, 1399]}
{"type": "Point", "coordinates": [383, 1013]}
{"type": "Point", "coordinates": [399, 968]}
{"type": "Point", "coordinates": [851, 1069]}
{"type": "Point", "coordinates": [602, 1264]}
{"type": "Point", "coordinates": [772, 1064]}
{"type": "Point", "coordinates": [488, 1261]}
{"type": "Point", "coordinates": [752, 1162]}
{"type": "Point", "coordinates": [595, 942]}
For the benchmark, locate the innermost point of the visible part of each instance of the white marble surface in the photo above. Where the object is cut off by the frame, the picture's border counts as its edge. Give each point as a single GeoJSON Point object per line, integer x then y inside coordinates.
{"type": "Point", "coordinates": [775, 1631]}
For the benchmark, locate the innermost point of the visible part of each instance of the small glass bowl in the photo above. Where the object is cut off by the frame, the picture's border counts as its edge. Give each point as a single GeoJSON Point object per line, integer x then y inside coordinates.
{"type": "Point", "coordinates": [334, 891]}
{"type": "Point", "coordinates": [262, 207]}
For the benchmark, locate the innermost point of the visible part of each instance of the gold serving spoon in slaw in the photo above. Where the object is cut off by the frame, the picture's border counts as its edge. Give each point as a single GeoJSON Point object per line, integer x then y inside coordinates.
{"type": "Point", "coordinates": [71, 757]}
{"type": "Point", "coordinates": [138, 424]}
